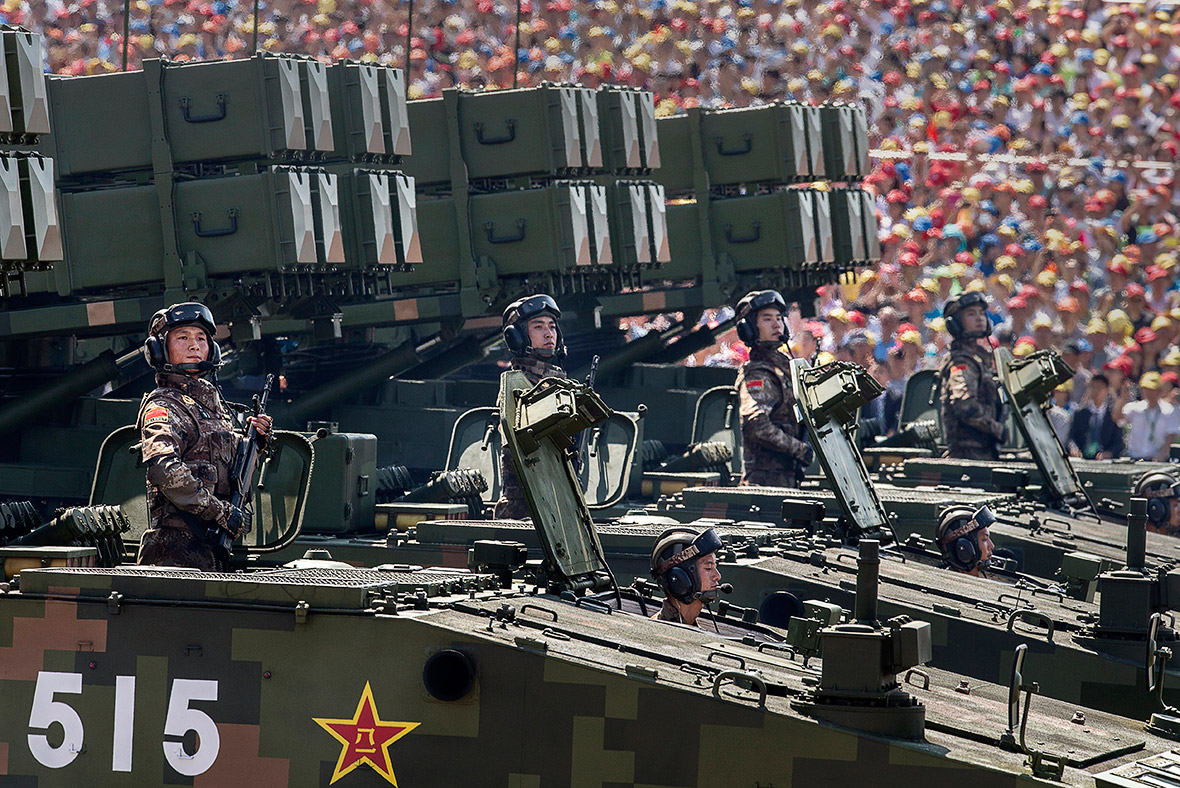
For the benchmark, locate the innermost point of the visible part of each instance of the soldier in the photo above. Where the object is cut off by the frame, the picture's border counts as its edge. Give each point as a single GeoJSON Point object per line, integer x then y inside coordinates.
{"type": "Point", "coordinates": [188, 444]}
{"type": "Point", "coordinates": [775, 451]}
{"type": "Point", "coordinates": [1162, 491]}
{"type": "Point", "coordinates": [970, 393]}
{"type": "Point", "coordinates": [964, 540]}
{"type": "Point", "coordinates": [684, 563]}
{"type": "Point", "coordinates": [532, 333]}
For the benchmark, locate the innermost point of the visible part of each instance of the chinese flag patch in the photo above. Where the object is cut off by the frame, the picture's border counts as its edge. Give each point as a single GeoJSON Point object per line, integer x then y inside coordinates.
{"type": "Point", "coordinates": [959, 368]}
{"type": "Point", "coordinates": [753, 386]}
{"type": "Point", "coordinates": [154, 415]}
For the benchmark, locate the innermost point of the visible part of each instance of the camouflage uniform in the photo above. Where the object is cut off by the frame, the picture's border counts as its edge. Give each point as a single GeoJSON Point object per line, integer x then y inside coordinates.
{"type": "Point", "coordinates": [773, 443]}
{"type": "Point", "coordinates": [189, 433]}
{"type": "Point", "coordinates": [512, 504]}
{"type": "Point", "coordinates": [970, 401]}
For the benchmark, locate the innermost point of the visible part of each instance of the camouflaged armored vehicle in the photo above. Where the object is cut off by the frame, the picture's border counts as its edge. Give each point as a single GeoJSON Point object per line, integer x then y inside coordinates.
{"type": "Point", "coordinates": [319, 673]}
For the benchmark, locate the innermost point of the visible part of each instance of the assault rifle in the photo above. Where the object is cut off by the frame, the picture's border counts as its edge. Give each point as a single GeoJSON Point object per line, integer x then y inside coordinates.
{"type": "Point", "coordinates": [241, 476]}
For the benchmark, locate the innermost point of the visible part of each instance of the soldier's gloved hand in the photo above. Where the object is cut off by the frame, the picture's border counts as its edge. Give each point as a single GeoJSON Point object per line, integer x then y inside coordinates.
{"type": "Point", "coordinates": [238, 521]}
{"type": "Point", "coordinates": [805, 454]}
{"type": "Point", "coordinates": [1000, 430]}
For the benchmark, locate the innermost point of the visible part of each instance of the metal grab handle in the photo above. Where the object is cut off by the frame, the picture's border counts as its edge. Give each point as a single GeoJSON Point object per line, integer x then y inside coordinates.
{"type": "Point", "coordinates": [764, 647]}
{"type": "Point", "coordinates": [740, 659]}
{"type": "Point", "coordinates": [185, 103]}
{"type": "Point", "coordinates": [734, 675]}
{"type": "Point", "coordinates": [509, 137]}
{"type": "Point", "coordinates": [594, 604]}
{"type": "Point", "coordinates": [1033, 618]}
{"type": "Point", "coordinates": [920, 674]}
{"type": "Point", "coordinates": [540, 609]}
{"type": "Point", "coordinates": [744, 239]}
{"type": "Point", "coordinates": [490, 229]}
{"type": "Point", "coordinates": [723, 151]}
{"type": "Point", "coordinates": [232, 213]}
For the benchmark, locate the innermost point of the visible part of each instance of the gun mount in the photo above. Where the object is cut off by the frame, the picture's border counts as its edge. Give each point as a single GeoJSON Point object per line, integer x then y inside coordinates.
{"type": "Point", "coordinates": [858, 686]}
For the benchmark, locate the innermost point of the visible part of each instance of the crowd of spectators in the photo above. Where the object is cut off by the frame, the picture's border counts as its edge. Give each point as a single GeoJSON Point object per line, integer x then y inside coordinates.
{"type": "Point", "coordinates": [1025, 149]}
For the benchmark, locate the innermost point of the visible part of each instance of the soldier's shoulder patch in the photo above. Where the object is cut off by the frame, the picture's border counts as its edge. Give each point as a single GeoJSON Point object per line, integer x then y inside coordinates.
{"type": "Point", "coordinates": [155, 416]}
{"type": "Point", "coordinates": [754, 386]}
{"type": "Point", "coordinates": [959, 368]}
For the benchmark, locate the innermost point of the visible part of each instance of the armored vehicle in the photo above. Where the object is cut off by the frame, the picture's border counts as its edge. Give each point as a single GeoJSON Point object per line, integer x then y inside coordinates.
{"type": "Point", "coordinates": [153, 674]}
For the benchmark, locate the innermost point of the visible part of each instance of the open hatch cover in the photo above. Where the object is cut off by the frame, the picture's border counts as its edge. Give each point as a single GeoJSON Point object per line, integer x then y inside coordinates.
{"type": "Point", "coordinates": [828, 398]}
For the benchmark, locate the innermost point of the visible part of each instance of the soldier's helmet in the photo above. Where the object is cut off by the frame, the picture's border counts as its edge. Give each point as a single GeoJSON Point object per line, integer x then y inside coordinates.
{"type": "Point", "coordinates": [515, 325]}
{"type": "Point", "coordinates": [952, 313]}
{"type": "Point", "coordinates": [189, 313]}
{"type": "Point", "coordinates": [955, 535]}
{"type": "Point", "coordinates": [747, 313]}
{"type": "Point", "coordinates": [1159, 488]}
{"type": "Point", "coordinates": [674, 561]}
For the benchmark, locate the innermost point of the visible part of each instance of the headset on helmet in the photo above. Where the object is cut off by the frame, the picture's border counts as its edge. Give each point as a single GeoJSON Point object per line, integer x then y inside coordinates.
{"type": "Point", "coordinates": [674, 562]}
{"type": "Point", "coordinates": [956, 538]}
{"type": "Point", "coordinates": [155, 346]}
{"type": "Point", "coordinates": [952, 314]}
{"type": "Point", "coordinates": [749, 307]}
{"type": "Point", "coordinates": [1158, 487]}
{"type": "Point", "coordinates": [515, 324]}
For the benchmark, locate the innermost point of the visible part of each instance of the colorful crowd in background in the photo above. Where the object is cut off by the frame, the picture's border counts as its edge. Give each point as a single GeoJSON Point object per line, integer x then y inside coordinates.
{"type": "Point", "coordinates": [1025, 149]}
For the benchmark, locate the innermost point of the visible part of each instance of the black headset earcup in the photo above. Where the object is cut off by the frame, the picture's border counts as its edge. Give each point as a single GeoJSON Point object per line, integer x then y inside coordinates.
{"type": "Point", "coordinates": [678, 583]}
{"type": "Point", "coordinates": [965, 552]}
{"type": "Point", "coordinates": [952, 324]}
{"type": "Point", "coordinates": [746, 332]}
{"type": "Point", "coordinates": [515, 339]}
{"type": "Point", "coordinates": [155, 351]}
{"type": "Point", "coordinates": [1157, 511]}
{"type": "Point", "coordinates": [214, 353]}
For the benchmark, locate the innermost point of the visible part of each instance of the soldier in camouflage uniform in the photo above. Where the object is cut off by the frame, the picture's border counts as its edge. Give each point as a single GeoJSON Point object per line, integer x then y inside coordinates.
{"type": "Point", "coordinates": [775, 450]}
{"type": "Point", "coordinates": [970, 396]}
{"type": "Point", "coordinates": [189, 442]}
{"type": "Point", "coordinates": [684, 563]}
{"type": "Point", "coordinates": [532, 333]}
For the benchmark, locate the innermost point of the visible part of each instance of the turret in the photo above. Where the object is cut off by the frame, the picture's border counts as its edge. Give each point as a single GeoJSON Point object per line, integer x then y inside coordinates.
{"type": "Point", "coordinates": [858, 686]}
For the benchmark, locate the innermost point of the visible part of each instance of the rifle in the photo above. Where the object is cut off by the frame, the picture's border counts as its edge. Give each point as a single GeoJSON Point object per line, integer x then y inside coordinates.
{"type": "Point", "coordinates": [581, 444]}
{"type": "Point", "coordinates": [241, 475]}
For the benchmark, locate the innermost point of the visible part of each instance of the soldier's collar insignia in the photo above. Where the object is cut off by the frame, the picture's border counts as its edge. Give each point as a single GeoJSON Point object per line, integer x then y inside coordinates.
{"type": "Point", "coordinates": [365, 739]}
{"type": "Point", "coordinates": [188, 400]}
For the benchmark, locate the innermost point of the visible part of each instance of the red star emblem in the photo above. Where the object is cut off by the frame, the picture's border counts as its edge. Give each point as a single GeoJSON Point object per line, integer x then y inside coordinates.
{"type": "Point", "coordinates": [365, 739]}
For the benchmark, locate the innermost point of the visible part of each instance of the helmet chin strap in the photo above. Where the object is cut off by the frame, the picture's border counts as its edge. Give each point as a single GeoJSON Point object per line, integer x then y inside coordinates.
{"type": "Point", "coordinates": [189, 368]}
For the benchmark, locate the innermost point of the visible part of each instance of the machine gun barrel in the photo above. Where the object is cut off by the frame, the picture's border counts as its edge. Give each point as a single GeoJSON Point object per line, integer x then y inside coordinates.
{"type": "Point", "coordinates": [296, 414]}
{"type": "Point", "coordinates": [60, 530]}
{"type": "Point", "coordinates": [867, 576]}
{"type": "Point", "coordinates": [1137, 534]}
{"type": "Point", "coordinates": [66, 388]}
{"type": "Point", "coordinates": [693, 342]}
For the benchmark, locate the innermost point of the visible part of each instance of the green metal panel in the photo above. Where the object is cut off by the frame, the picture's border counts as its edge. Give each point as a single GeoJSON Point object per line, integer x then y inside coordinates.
{"type": "Point", "coordinates": [369, 219]}
{"type": "Point", "coordinates": [848, 226]}
{"type": "Point", "coordinates": [535, 131]}
{"type": "Point", "coordinates": [440, 245]}
{"type": "Point", "coordinates": [675, 135]}
{"type": "Point", "coordinates": [841, 158]}
{"type": "Point", "coordinates": [431, 162]}
{"type": "Point", "coordinates": [785, 229]}
{"type": "Point", "coordinates": [533, 230]}
{"type": "Point", "coordinates": [756, 144]}
{"type": "Point", "coordinates": [248, 223]}
{"type": "Point", "coordinates": [101, 123]}
{"type": "Point", "coordinates": [95, 259]}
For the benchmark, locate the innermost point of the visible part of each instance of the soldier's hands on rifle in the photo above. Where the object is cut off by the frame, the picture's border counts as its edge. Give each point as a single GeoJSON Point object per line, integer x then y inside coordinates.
{"type": "Point", "coordinates": [262, 423]}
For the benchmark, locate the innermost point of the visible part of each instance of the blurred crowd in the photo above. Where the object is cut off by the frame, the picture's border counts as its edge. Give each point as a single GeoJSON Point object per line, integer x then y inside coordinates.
{"type": "Point", "coordinates": [1025, 149]}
